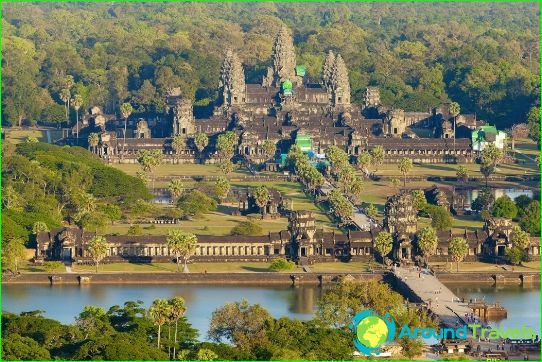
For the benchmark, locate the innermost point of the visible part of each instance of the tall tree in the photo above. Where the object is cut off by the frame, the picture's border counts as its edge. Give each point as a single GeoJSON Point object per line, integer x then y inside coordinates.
{"type": "Point", "coordinates": [383, 243]}
{"type": "Point", "coordinates": [405, 166]}
{"type": "Point", "coordinates": [97, 247]}
{"type": "Point", "coordinates": [178, 308]}
{"type": "Point", "coordinates": [241, 324]}
{"type": "Point", "coordinates": [125, 110]}
{"type": "Point", "coordinates": [77, 102]}
{"type": "Point", "coordinates": [65, 97]}
{"type": "Point", "coordinates": [364, 161]}
{"type": "Point", "coordinates": [175, 188]}
{"type": "Point", "coordinates": [520, 238]}
{"type": "Point", "coordinates": [178, 144]}
{"type": "Point", "coordinates": [93, 140]}
{"type": "Point", "coordinates": [261, 197]}
{"type": "Point", "coordinates": [222, 188]}
{"type": "Point", "coordinates": [269, 147]}
{"type": "Point", "coordinates": [427, 241]}
{"type": "Point", "coordinates": [462, 174]}
{"type": "Point", "coordinates": [490, 157]}
{"type": "Point", "coordinates": [159, 311]}
{"type": "Point", "coordinates": [201, 141]}
{"type": "Point", "coordinates": [504, 207]}
{"type": "Point", "coordinates": [225, 145]}
{"type": "Point", "coordinates": [377, 156]}
{"type": "Point", "coordinates": [458, 250]}
{"type": "Point", "coordinates": [182, 245]}
{"type": "Point", "coordinates": [13, 254]}
{"type": "Point", "coordinates": [454, 110]}
{"type": "Point", "coordinates": [149, 160]}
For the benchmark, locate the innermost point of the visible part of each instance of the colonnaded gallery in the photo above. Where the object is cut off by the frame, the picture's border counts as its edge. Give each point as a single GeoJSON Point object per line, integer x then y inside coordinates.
{"type": "Point", "coordinates": [302, 242]}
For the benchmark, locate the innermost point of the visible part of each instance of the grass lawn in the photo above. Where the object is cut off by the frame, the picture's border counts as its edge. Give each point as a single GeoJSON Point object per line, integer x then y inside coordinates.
{"type": "Point", "coordinates": [479, 266]}
{"type": "Point", "coordinates": [17, 135]}
{"type": "Point", "coordinates": [214, 223]}
{"type": "Point", "coordinates": [353, 266]}
{"type": "Point", "coordinates": [20, 135]}
{"type": "Point", "coordinates": [230, 267]}
{"type": "Point", "coordinates": [449, 170]}
{"type": "Point", "coordinates": [467, 222]}
{"type": "Point", "coordinates": [528, 147]}
{"type": "Point", "coordinates": [182, 170]}
{"type": "Point", "coordinates": [31, 268]}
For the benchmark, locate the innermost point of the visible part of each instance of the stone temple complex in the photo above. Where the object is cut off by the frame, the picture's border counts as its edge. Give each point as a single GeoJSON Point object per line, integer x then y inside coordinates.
{"type": "Point", "coordinates": [286, 105]}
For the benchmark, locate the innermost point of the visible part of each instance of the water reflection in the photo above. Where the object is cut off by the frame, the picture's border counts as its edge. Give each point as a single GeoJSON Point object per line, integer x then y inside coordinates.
{"type": "Point", "coordinates": [470, 195]}
{"type": "Point", "coordinates": [65, 302]}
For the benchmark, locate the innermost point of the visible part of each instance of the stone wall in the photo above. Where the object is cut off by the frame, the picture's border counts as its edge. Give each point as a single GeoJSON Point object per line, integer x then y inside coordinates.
{"type": "Point", "coordinates": [188, 278]}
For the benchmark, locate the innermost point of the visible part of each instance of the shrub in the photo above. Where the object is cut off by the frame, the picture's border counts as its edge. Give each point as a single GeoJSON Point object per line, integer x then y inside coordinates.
{"type": "Point", "coordinates": [135, 230]}
{"type": "Point", "coordinates": [52, 265]}
{"type": "Point", "coordinates": [515, 255]}
{"type": "Point", "coordinates": [440, 217]}
{"type": "Point", "coordinates": [196, 203]}
{"type": "Point", "coordinates": [281, 264]}
{"type": "Point", "coordinates": [247, 228]}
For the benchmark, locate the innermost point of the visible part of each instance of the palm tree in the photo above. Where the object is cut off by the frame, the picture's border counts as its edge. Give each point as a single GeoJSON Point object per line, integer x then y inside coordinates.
{"type": "Point", "coordinates": [201, 141]}
{"type": "Point", "coordinates": [159, 311]}
{"type": "Point", "coordinates": [178, 143]}
{"type": "Point", "coordinates": [177, 312]}
{"type": "Point", "coordinates": [93, 140]}
{"type": "Point", "coordinates": [175, 188]}
{"type": "Point", "coordinates": [97, 247]}
{"type": "Point", "coordinates": [125, 110]}
{"type": "Point", "coordinates": [454, 110]}
{"type": "Point", "coordinates": [182, 245]}
{"type": "Point", "coordinates": [65, 97]}
{"type": "Point", "coordinates": [77, 102]}
{"type": "Point", "coordinates": [261, 196]}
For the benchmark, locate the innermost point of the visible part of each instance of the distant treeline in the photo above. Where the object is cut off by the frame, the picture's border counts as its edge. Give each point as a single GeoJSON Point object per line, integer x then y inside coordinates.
{"type": "Point", "coordinates": [483, 56]}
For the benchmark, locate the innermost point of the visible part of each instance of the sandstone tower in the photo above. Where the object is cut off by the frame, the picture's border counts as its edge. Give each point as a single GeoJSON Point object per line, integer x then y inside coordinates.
{"type": "Point", "coordinates": [284, 61]}
{"type": "Point", "coordinates": [340, 86]}
{"type": "Point", "coordinates": [232, 80]}
{"type": "Point", "coordinates": [180, 111]}
{"type": "Point", "coordinates": [400, 214]}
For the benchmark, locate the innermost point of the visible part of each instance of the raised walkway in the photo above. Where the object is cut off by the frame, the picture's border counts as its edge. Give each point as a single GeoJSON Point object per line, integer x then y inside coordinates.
{"type": "Point", "coordinates": [440, 300]}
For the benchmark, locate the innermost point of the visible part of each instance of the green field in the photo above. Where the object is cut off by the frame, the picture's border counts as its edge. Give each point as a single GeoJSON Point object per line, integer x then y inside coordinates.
{"type": "Point", "coordinates": [214, 223]}
{"type": "Point", "coordinates": [229, 267]}
{"type": "Point", "coordinates": [479, 266]}
{"type": "Point", "coordinates": [187, 169]}
{"type": "Point", "coordinates": [16, 135]}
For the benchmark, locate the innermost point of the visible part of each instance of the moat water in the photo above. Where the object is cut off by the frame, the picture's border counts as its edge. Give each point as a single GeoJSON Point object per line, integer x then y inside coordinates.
{"type": "Point", "coordinates": [64, 303]}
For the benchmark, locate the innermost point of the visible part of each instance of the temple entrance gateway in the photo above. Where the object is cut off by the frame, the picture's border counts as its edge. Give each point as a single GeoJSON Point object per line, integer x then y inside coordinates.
{"type": "Point", "coordinates": [66, 253]}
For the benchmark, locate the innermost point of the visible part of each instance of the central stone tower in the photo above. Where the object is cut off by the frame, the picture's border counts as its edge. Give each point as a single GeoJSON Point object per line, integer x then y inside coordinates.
{"type": "Point", "coordinates": [284, 61]}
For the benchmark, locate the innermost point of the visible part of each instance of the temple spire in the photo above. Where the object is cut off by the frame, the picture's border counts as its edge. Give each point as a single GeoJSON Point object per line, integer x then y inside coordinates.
{"type": "Point", "coordinates": [284, 61]}
{"type": "Point", "coordinates": [339, 82]}
{"type": "Point", "coordinates": [232, 79]}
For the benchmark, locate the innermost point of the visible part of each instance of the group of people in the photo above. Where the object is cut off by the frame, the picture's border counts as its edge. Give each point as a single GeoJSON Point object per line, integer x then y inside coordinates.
{"type": "Point", "coordinates": [470, 318]}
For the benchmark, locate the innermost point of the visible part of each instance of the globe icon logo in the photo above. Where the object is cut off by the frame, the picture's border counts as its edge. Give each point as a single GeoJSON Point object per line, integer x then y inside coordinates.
{"type": "Point", "coordinates": [372, 331]}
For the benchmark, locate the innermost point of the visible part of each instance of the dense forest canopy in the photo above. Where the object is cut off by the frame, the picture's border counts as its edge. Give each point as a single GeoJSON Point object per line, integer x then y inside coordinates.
{"type": "Point", "coordinates": [484, 56]}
